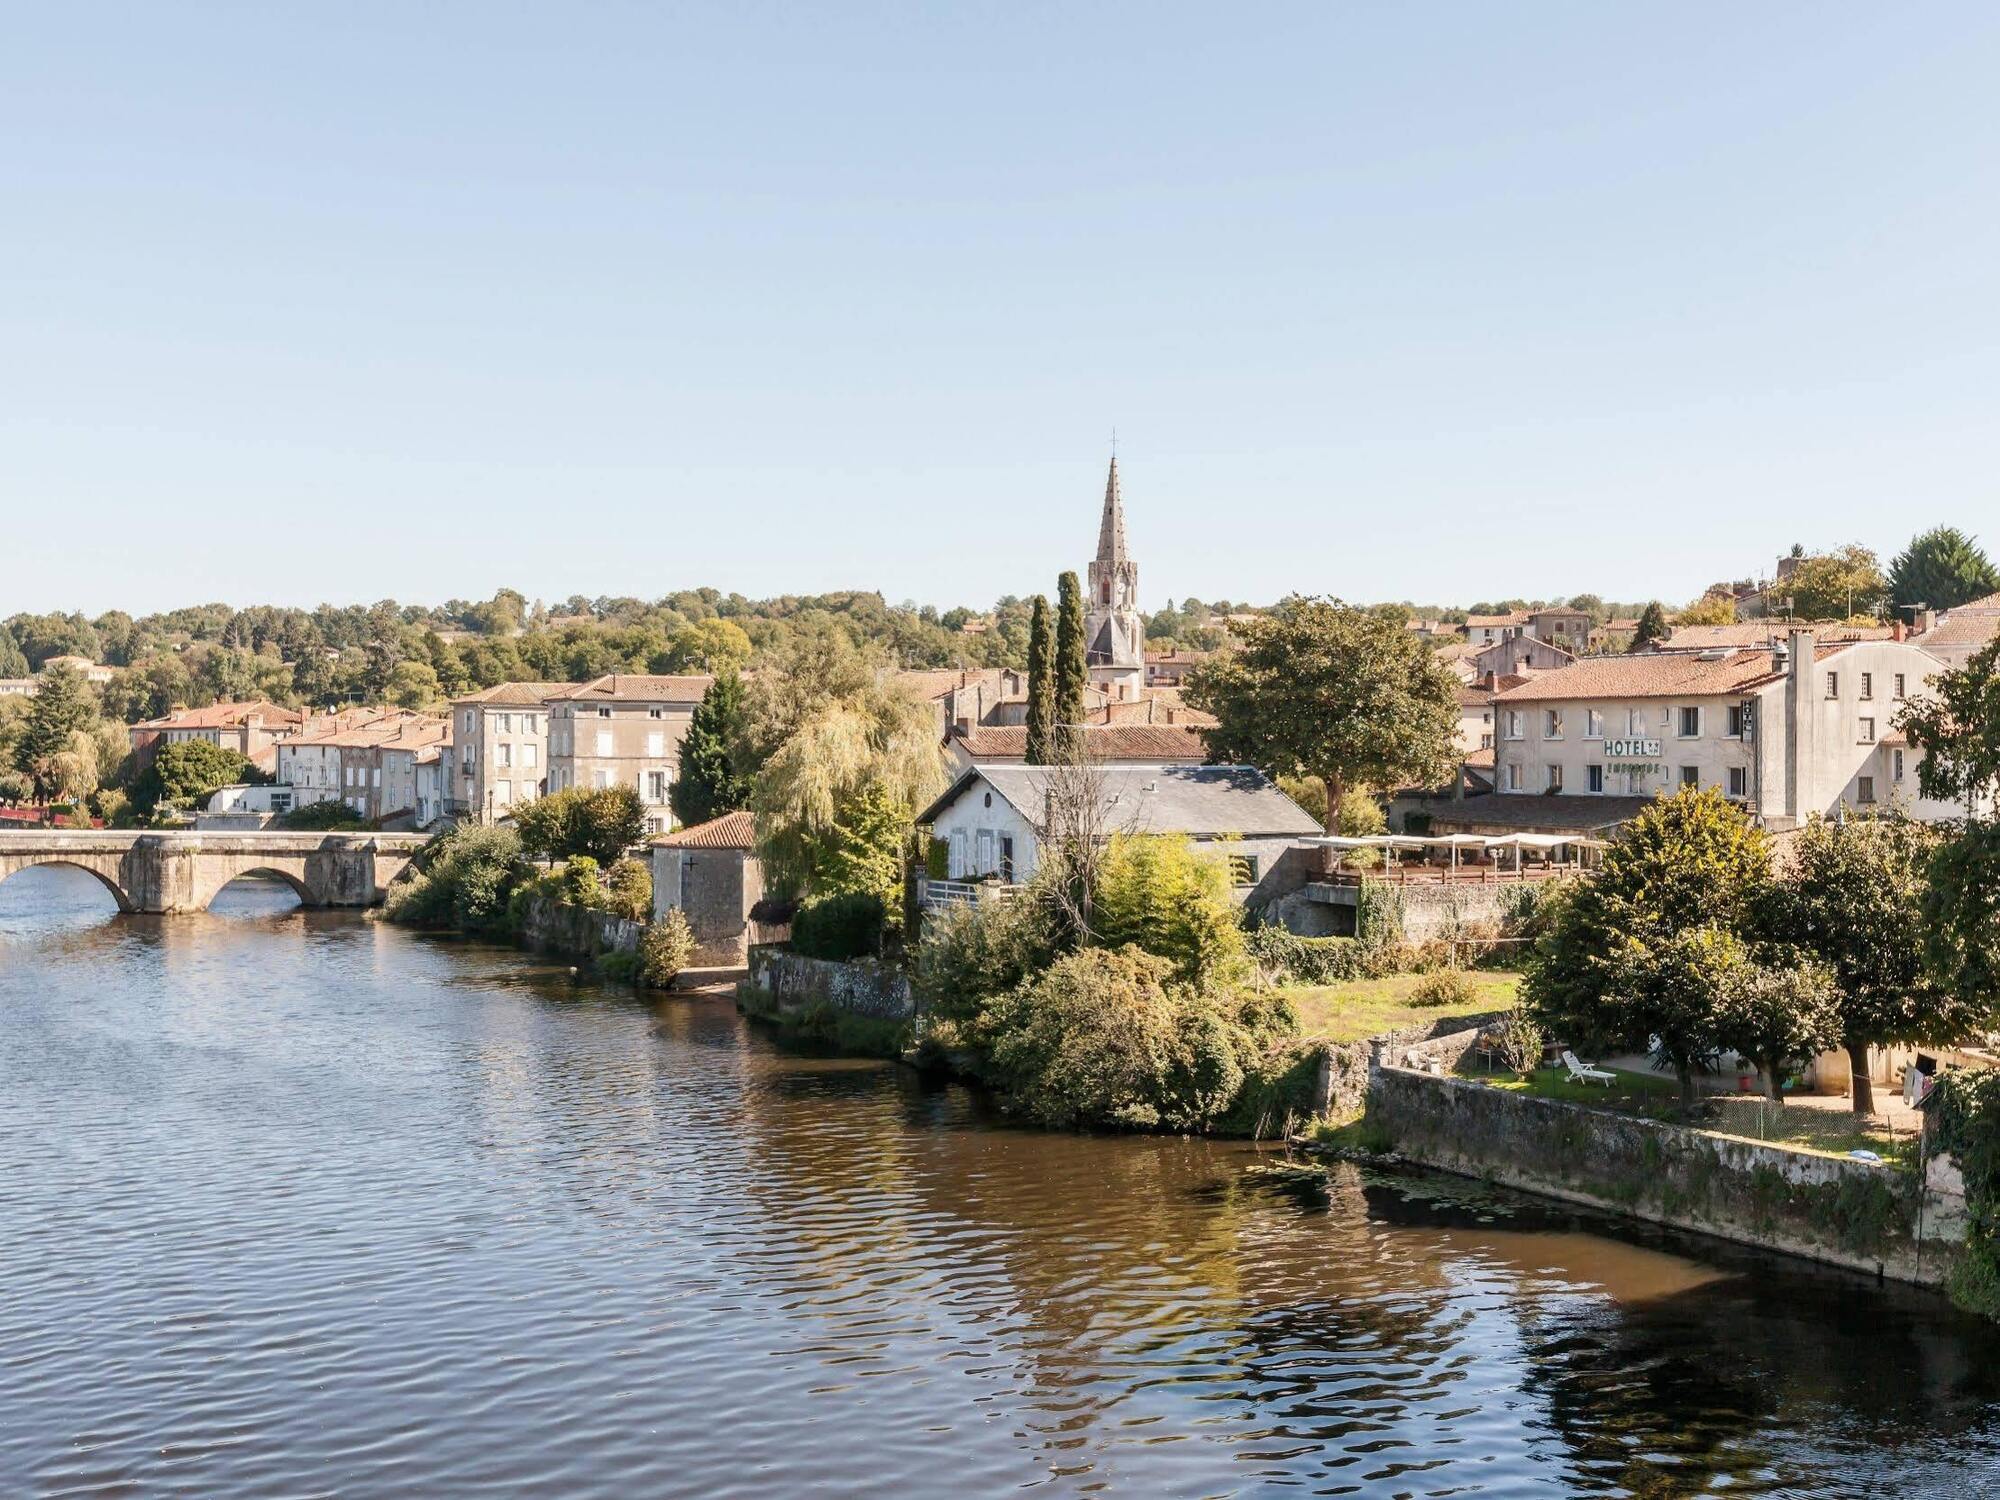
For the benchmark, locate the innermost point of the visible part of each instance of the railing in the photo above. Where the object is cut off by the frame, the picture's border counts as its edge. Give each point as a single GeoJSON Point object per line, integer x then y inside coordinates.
{"type": "Point", "coordinates": [938, 895]}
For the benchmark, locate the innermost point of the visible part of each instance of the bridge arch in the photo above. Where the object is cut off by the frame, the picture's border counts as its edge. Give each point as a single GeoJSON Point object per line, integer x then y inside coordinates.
{"type": "Point", "coordinates": [13, 866]}
{"type": "Point", "coordinates": [295, 882]}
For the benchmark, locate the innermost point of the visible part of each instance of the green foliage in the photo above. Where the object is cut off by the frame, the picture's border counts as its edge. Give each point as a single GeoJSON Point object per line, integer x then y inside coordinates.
{"type": "Point", "coordinates": [1041, 683]}
{"type": "Point", "coordinates": [61, 709]}
{"type": "Point", "coordinates": [1652, 627]}
{"type": "Point", "coordinates": [578, 882]}
{"type": "Point", "coordinates": [1283, 957]}
{"type": "Point", "coordinates": [845, 925]}
{"type": "Point", "coordinates": [1836, 585]}
{"type": "Point", "coordinates": [1378, 914]}
{"type": "Point", "coordinates": [1112, 1038]}
{"type": "Point", "coordinates": [600, 822]}
{"type": "Point", "coordinates": [16, 787]}
{"type": "Point", "coordinates": [708, 784]}
{"type": "Point", "coordinates": [1965, 1120]}
{"type": "Point", "coordinates": [467, 879]}
{"type": "Point", "coordinates": [1518, 1042]}
{"type": "Point", "coordinates": [1324, 690]}
{"type": "Point", "coordinates": [1941, 568]}
{"type": "Point", "coordinates": [628, 889]}
{"type": "Point", "coordinates": [1956, 731]}
{"type": "Point", "coordinates": [330, 815]}
{"type": "Point", "coordinates": [186, 774]}
{"type": "Point", "coordinates": [1782, 1009]}
{"type": "Point", "coordinates": [1961, 910]}
{"type": "Point", "coordinates": [968, 954]}
{"type": "Point", "coordinates": [1158, 893]}
{"type": "Point", "coordinates": [1442, 988]}
{"type": "Point", "coordinates": [1071, 672]}
{"type": "Point", "coordinates": [665, 948]}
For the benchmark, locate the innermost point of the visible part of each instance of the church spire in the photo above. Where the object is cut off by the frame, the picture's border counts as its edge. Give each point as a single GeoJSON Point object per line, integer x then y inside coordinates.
{"type": "Point", "coordinates": [1111, 530]}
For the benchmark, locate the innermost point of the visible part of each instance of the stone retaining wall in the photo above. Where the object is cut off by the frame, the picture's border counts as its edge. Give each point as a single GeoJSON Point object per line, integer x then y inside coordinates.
{"type": "Point", "coordinates": [1864, 1215]}
{"type": "Point", "coordinates": [782, 982]}
{"type": "Point", "coordinates": [576, 931]}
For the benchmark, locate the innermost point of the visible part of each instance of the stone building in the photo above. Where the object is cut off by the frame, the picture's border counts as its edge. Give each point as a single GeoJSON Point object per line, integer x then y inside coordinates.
{"type": "Point", "coordinates": [622, 730]}
{"type": "Point", "coordinates": [498, 757]}
{"type": "Point", "coordinates": [711, 875]}
{"type": "Point", "coordinates": [249, 728]}
{"type": "Point", "coordinates": [1114, 632]}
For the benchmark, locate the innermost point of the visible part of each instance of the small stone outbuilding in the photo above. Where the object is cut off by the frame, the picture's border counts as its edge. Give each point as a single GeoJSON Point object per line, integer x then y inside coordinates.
{"type": "Point", "coordinates": [711, 874]}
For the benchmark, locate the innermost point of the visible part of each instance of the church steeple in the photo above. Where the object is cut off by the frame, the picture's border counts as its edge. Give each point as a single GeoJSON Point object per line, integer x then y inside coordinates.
{"type": "Point", "coordinates": [1111, 530]}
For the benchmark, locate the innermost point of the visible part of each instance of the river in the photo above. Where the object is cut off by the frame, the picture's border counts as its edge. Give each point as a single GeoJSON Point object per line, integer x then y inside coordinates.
{"type": "Point", "coordinates": [300, 1204]}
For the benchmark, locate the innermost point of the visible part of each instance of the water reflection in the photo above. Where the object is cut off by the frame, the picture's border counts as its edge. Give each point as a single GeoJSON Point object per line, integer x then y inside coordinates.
{"type": "Point", "coordinates": [289, 1194]}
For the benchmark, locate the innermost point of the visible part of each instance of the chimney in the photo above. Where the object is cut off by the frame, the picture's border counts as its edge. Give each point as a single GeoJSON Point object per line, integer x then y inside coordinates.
{"type": "Point", "coordinates": [1897, 632]}
{"type": "Point", "coordinates": [1926, 618]}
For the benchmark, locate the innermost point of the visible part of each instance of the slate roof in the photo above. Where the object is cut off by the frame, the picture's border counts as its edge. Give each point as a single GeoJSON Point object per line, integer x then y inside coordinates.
{"type": "Point", "coordinates": [1149, 744]}
{"type": "Point", "coordinates": [733, 830]}
{"type": "Point", "coordinates": [1202, 800]}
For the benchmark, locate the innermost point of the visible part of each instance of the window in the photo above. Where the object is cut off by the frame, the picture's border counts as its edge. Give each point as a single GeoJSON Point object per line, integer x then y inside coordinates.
{"type": "Point", "coordinates": [1739, 782]}
{"type": "Point", "coordinates": [1867, 731]}
{"type": "Point", "coordinates": [1867, 684]}
{"type": "Point", "coordinates": [1739, 720]}
{"type": "Point", "coordinates": [1833, 684]}
{"type": "Point", "coordinates": [1555, 775]}
{"type": "Point", "coordinates": [1593, 778]}
{"type": "Point", "coordinates": [1593, 724]}
{"type": "Point", "coordinates": [603, 742]}
{"type": "Point", "coordinates": [1514, 730]}
{"type": "Point", "coordinates": [1690, 722]}
{"type": "Point", "coordinates": [656, 744]}
{"type": "Point", "coordinates": [468, 721]}
{"type": "Point", "coordinates": [656, 713]}
{"type": "Point", "coordinates": [1635, 721]}
{"type": "Point", "coordinates": [1513, 777]}
{"type": "Point", "coordinates": [530, 753]}
{"type": "Point", "coordinates": [1864, 790]}
{"type": "Point", "coordinates": [503, 723]}
{"type": "Point", "coordinates": [600, 779]}
{"type": "Point", "coordinates": [656, 786]}
{"type": "Point", "coordinates": [1552, 724]}
{"type": "Point", "coordinates": [604, 713]}
{"type": "Point", "coordinates": [1896, 774]}
{"type": "Point", "coordinates": [503, 755]}
{"type": "Point", "coordinates": [1898, 684]}
{"type": "Point", "coordinates": [375, 776]}
{"type": "Point", "coordinates": [1691, 776]}
{"type": "Point", "coordinates": [503, 793]}
{"type": "Point", "coordinates": [1243, 869]}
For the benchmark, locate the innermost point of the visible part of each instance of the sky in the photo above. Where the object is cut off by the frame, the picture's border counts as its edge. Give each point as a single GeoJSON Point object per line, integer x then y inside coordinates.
{"type": "Point", "coordinates": [1447, 302]}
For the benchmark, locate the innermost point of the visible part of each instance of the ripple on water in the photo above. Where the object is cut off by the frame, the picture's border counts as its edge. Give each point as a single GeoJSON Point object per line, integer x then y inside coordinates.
{"type": "Point", "coordinates": [297, 1204]}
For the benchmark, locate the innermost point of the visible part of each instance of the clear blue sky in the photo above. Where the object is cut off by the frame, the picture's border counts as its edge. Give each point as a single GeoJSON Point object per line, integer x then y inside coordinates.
{"type": "Point", "coordinates": [343, 302]}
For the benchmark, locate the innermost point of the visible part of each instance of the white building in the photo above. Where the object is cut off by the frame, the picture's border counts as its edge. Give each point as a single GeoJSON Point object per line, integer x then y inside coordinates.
{"type": "Point", "coordinates": [991, 817]}
{"type": "Point", "coordinates": [1786, 732]}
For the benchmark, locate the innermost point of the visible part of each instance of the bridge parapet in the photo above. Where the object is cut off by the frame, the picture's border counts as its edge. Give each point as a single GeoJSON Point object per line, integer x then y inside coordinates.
{"type": "Point", "coordinates": [170, 871]}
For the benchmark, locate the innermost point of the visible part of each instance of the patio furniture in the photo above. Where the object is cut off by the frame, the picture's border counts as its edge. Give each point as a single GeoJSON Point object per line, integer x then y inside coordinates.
{"type": "Point", "coordinates": [1583, 1072]}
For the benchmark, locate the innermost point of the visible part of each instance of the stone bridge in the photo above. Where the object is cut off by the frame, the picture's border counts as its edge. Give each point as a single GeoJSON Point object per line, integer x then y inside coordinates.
{"type": "Point", "coordinates": [181, 872]}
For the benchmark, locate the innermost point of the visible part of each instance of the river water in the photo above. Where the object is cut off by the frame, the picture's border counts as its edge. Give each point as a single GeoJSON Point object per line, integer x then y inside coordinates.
{"type": "Point", "coordinates": [300, 1204]}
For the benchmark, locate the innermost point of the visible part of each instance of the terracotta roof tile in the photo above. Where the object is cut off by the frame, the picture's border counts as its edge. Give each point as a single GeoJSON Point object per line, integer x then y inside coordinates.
{"type": "Point", "coordinates": [1146, 743]}
{"type": "Point", "coordinates": [734, 830]}
{"type": "Point", "coordinates": [631, 687]}
{"type": "Point", "coordinates": [1649, 675]}
{"type": "Point", "coordinates": [515, 694]}
{"type": "Point", "coordinates": [223, 716]}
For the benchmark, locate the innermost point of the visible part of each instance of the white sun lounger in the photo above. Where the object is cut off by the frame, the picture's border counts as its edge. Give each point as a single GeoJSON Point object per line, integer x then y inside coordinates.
{"type": "Point", "coordinates": [1583, 1072]}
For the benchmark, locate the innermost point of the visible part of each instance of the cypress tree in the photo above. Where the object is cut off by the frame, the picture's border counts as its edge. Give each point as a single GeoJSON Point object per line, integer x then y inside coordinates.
{"type": "Point", "coordinates": [708, 786]}
{"type": "Point", "coordinates": [1652, 627]}
{"type": "Point", "coordinates": [1041, 682]}
{"type": "Point", "coordinates": [1070, 675]}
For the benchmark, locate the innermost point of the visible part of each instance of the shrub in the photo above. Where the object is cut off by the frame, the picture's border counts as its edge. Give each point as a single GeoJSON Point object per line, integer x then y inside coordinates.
{"type": "Point", "coordinates": [577, 883]}
{"type": "Point", "coordinates": [329, 816]}
{"type": "Point", "coordinates": [664, 949]}
{"type": "Point", "coordinates": [466, 881]}
{"type": "Point", "coordinates": [1158, 893]}
{"type": "Point", "coordinates": [620, 967]}
{"type": "Point", "coordinates": [1444, 987]}
{"type": "Point", "coordinates": [1518, 1041]}
{"type": "Point", "coordinates": [845, 926]}
{"type": "Point", "coordinates": [602, 822]}
{"type": "Point", "coordinates": [628, 889]}
{"type": "Point", "coordinates": [1284, 957]}
{"type": "Point", "coordinates": [1114, 1038]}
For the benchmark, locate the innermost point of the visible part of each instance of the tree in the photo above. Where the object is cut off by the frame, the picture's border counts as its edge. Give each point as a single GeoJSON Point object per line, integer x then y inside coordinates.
{"type": "Point", "coordinates": [1156, 892]}
{"type": "Point", "coordinates": [186, 774]}
{"type": "Point", "coordinates": [1710, 609]}
{"type": "Point", "coordinates": [62, 706]}
{"type": "Point", "coordinates": [1071, 673]}
{"type": "Point", "coordinates": [1323, 690]}
{"type": "Point", "coordinates": [708, 785]}
{"type": "Point", "coordinates": [1837, 585]}
{"type": "Point", "coordinates": [1941, 569]}
{"type": "Point", "coordinates": [413, 684]}
{"type": "Point", "coordinates": [1956, 730]}
{"type": "Point", "coordinates": [15, 787]}
{"type": "Point", "coordinates": [1610, 967]}
{"type": "Point", "coordinates": [69, 774]}
{"type": "Point", "coordinates": [1852, 895]}
{"type": "Point", "coordinates": [1777, 1011]}
{"type": "Point", "coordinates": [1652, 627]}
{"type": "Point", "coordinates": [600, 823]}
{"type": "Point", "coordinates": [1041, 682]}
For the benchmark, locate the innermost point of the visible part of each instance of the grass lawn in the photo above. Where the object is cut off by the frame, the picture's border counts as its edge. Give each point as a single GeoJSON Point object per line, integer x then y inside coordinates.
{"type": "Point", "coordinates": [1363, 1008]}
{"type": "Point", "coordinates": [1632, 1092]}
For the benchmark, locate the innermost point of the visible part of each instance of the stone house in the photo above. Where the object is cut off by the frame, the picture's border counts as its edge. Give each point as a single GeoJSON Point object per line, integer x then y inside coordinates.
{"type": "Point", "coordinates": [990, 818]}
{"type": "Point", "coordinates": [250, 729]}
{"type": "Point", "coordinates": [498, 755]}
{"type": "Point", "coordinates": [622, 730]}
{"type": "Point", "coordinates": [711, 875]}
{"type": "Point", "coordinates": [1786, 732]}
{"type": "Point", "coordinates": [372, 767]}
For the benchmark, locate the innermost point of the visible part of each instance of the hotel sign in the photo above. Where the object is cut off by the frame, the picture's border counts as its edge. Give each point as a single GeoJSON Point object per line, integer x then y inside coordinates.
{"type": "Point", "coordinates": [1631, 749]}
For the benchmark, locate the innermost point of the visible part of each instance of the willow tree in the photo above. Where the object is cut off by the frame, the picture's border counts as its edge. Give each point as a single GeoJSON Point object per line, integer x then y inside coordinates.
{"type": "Point", "coordinates": [1041, 683]}
{"type": "Point", "coordinates": [1347, 696]}
{"type": "Point", "coordinates": [1070, 672]}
